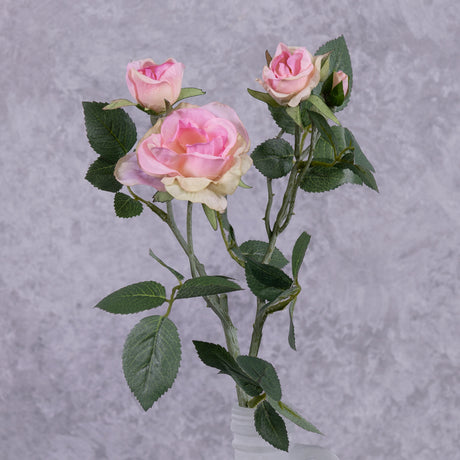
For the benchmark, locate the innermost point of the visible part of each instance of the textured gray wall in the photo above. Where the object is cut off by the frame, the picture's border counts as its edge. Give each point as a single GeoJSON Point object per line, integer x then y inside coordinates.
{"type": "Point", "coordinates": [378, 322]}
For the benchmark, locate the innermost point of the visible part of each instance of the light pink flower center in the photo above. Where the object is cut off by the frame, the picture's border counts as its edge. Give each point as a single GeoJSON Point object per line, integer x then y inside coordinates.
{"type": "Point", "coordinates": [286, 64]}
{"type": "Point", "coordinates": [209, 140]}
{"type": "Point", "coordinates": [155, 71]}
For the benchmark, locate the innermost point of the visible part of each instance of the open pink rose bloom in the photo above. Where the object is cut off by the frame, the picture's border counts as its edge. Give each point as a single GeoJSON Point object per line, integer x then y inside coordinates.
{"type": "Point", "coordinates": [195, 153]}
{"type": "Point", "coordinates": [150, 84]}
{"type": "Point", "coordinates": [291, 75]}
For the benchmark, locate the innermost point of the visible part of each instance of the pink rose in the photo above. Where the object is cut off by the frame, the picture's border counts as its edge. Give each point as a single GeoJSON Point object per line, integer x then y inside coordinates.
{"type": "Point", "coordinates": [195, 153]}
{"type": "Point", "coordinates": [292, 74]}
{"type": "Point", "coordinates": [150, 84]}
{"type": "Point", "coordinates": [338, 77]}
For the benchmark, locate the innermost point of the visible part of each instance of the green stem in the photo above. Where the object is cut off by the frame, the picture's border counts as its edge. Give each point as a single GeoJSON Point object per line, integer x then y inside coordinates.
{"type": "Point", "coordinates": [218, 305]}
{"type": "Point", "coordinates": [282, 221]}
{"type": "Point", "coordinates": [193, 264]}
{"type": "Point", "coordinates": [269, 207]}
{"type": "Point", "coordinates": [256, 400]}
{"type": "Point", "coordinates": [227, 243]}
{"type": "Point", "coordinates": [159, 212]}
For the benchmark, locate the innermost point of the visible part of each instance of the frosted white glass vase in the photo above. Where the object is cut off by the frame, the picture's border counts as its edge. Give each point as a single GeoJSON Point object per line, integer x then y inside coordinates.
{"type": "Point", "coordinates": [248, 445]}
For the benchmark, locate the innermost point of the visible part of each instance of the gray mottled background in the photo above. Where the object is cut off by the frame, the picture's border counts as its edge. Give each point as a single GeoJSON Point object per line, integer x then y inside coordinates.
{"type": "Point", "coordinates": [378, 322]}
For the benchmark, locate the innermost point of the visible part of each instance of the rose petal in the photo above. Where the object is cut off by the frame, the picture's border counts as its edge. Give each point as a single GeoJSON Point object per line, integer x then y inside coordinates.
{"type": "Point", "coordinates": [226, 112]}
{"type": "Point", "coordinates": [128, 172]}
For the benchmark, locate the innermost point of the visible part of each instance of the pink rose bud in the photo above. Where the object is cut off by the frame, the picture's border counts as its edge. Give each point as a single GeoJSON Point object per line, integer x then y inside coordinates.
{"type": "Point", "coordinates": [335, 88]}
{"type": "Point", "coordinates": [195, 153]}
{"type": "Point", "coordinates": [150, 84]}
{"type": "Point", "coordinates": [338, 77]}
{"type": "Point", "coordinates": [291, 75]}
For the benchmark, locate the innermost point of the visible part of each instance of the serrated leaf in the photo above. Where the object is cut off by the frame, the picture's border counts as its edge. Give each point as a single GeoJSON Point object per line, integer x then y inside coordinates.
{"type": "Point", "coordinates": [324, 150]}
{"type": "Point", "coordinates": [273, 158]}
{"type": "Point", "coordinates": [190, 92]}
{"type": "Point", "coordinates": [263, 373]}
{"type": "Point", "coordinates": [339, 59]}
{"type": "Point", "coordinates": [266, 281]}
{"type": "Point", "coordinates": [364, 175]}
{"type": "Point", "coordinates": [281, 301]}
{"type": "Point", "coordinates": [323, 178]}
{"type": "Point", "coordinates": [206, 285]}
{"type": "Point", "coordinates": [179, 276]}
{"type": "Point", "coordinates": [321, 107]}
{"type": "Point", "coordinates": [292, 415]}
{"type": "Point", "coordinates": [271, 426]}
{"type": "Point", "coordinates": [291, 335]}
{"type": "Point", "coordinates": [211, 216]}
{"type": "Point", "coordinates": [126, 207]}
{"type": "Point", "coordinates": [101, 175]}
{"type": "Point", "coordinates": [118, 103]}
{"type": "Point", "coordinates": [216, 356]}
{"type": "Point", "coordinates": [151, 359]}
{"type": "Point", "coordinates": [282, 119]}
{"type": "Point", "coordinates": [323, 127]}
{"type": "Point", "coordinates": [257, 250]}
{"type": "Point", "coordinates": [294, 113]}
{"type": "Point", "coordinates": [111, 133]}
{"type": "Point", "coordinates": [134, 298]}
{"type": "Point", "coordinates": [298, 252]}
{"type": "Point", "coordinates": [359, 157]}
{"type": "Point", "coordinates": [264, 97]}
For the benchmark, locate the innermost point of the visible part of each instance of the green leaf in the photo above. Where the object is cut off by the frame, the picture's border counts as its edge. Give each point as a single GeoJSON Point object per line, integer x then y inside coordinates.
{"type": "Point", "coordinates": [264, 97]}
{"type": "Point", "coordinates": [282, 119]}
{"type": "Point", "coordinates": [134, 298]}
{"type": "Point", "coordinates": [265, 281]}
{"type": "Point", "coordinates": [294, 113]}
{"type": "Point", "coordinates": [298, 252]}
{"type": "Point", "coordinates": [111, 133]}
{"type": "Point", "coordinates": [360, 158]}
{"type": "Point", "coordinates": [101, 175]}
{"type": "Point", "coordinates": [291, 336]}
{"type": "Point", "coordinates": [364, 175]}
{"type": "Point", "coordinates": [271, 426]}
{"type": "Point", "coordinates": [125, 206]}
{"type": "Point", "coordinates": [281, 301]}
{"type": "Point", "coordinates": [323, 178]}
{"type": "Point", "coordinates": [118, 104]}
{"type": "Point", "coordinates": [211, 215]}
{"type": "Point", "coordinates": [218, 357]}
{"type": "Point", "coordinates": [174, 272]}
{"type": "Point", "coordinates": [151, 359]}
{"type": "Point", "coordinates": [257, 250]}
{"type": "Point", "coordinates": [292, 415]}
{"type": "Point", "coordinates": [324, 69]}
{"type": "Point", "coordinates": [206, 285]}
{"type": "Point", "coordinates": [190, 92]}
{"type": "Point", "coordinates": [273, 158]}
{"type": "Point", "coordinates": [263, 373]}
{"type": "Point", "coordinates": [339, 59]}
{"type": "Point", "coordinates": [321, 107]}
{"type": "Point", "coordinates": [323, 127]}
{"type": "Point", "coordinates": [325, 151]}
{"type": "Point", "coordinates": [162, 197]}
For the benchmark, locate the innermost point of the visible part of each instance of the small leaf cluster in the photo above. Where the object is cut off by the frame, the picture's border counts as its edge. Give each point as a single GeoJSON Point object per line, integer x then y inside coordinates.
{"type": "Point", "coordinates": [152, 350]}
{"type": "Point", "coordinates": [334, 157]}
{"type": "Point", "coordinates": [258, 379]}
{"type": "Point", "coordinates": [112, 134]}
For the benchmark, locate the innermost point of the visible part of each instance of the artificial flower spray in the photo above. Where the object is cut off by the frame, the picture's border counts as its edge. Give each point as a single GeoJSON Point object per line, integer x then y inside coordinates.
{"type": "Point", "coordinates": [198, 155]}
